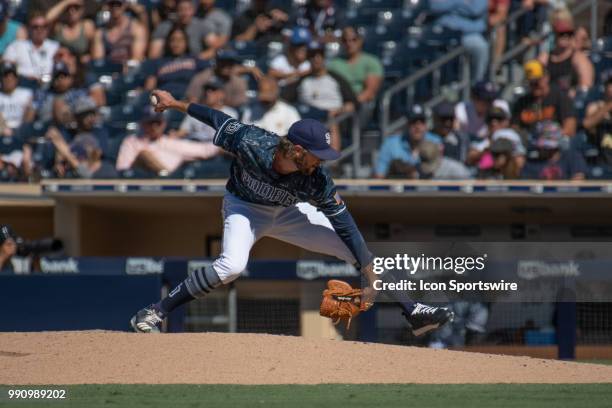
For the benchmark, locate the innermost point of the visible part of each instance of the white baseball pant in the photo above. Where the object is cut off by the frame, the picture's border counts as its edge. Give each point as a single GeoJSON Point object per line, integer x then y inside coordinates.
{"type": "Point", "coordinates": [301, 225]}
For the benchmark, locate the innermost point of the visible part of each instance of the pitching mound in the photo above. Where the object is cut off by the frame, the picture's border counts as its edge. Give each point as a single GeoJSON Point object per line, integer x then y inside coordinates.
{"type": "Point", "coordinates": [102, 357]}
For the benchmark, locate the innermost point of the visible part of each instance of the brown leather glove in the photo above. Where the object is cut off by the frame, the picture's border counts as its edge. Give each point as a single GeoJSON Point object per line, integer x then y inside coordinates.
{"type": "Point", "coordinates": [341, 302]}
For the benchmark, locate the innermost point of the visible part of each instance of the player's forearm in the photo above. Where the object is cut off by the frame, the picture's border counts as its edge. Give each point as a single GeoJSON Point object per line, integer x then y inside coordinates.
{"type": "Point", "coordinates": [212, 117]}
{"type": "Point", "coordinates": [347, 230]}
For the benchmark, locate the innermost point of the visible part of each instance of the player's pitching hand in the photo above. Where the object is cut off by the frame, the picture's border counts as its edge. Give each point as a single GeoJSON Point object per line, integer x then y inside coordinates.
{"type": "Point", "coordinates": [163, 100]}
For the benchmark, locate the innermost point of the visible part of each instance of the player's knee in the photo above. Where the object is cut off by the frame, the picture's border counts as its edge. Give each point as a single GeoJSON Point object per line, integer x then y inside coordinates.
{"type": "Point", "coordinates": [228, 268]}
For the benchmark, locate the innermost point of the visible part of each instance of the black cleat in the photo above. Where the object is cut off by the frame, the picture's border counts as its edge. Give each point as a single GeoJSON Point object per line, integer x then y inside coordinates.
{"type": "Point", "coordinates": [147, 320]}
{"type": "Point", "coordinates": [425, 318]}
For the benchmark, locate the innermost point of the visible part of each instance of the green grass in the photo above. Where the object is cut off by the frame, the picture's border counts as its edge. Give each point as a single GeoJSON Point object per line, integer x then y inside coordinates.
{"type": "Point", "coordinates": [596, 361]}
{"type": "Point", "coordinates": [295, 396]}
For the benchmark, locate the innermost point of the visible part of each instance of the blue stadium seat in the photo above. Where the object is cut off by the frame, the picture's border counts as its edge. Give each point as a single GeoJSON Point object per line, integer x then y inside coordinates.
{"type": "Point", "coordinates": [104, 67]}
{"type": "Point", "coordinates": [310, 112]}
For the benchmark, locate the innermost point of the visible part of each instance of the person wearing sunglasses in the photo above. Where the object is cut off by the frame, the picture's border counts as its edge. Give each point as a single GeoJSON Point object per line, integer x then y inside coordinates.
{"type": "Point", "coordinates": [34, 56]}
{"type": "Point", "coordinates": [569, 68]}
{"type": "Point", "coordinates": [70, 29]}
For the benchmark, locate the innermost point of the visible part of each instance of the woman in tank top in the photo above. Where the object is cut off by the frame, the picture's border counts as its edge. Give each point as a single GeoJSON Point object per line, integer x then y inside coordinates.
{"type": "Point", "coordinates": [70, 29]}
{"type": "Point", "coordinates": [570, 69]}
{"type": "Point", "coordinates": [122, 39]}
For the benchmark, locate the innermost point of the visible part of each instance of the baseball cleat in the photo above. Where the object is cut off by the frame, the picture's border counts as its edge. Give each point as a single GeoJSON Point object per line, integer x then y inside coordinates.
{"type": "Point", "coordinates": [147, 320]}
{"type": "Point", "coordinates": [424, 319]}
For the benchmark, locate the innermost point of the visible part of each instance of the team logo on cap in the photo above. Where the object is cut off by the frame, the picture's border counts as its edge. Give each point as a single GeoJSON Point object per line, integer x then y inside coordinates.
{"type": "Point", "coordinates": [328, 138]}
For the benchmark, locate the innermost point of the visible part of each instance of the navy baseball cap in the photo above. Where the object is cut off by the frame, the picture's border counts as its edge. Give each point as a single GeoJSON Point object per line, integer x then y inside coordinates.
{"type": "Point", "coordinates": [485, 90]}
{"type": "Point", "coordinates": [300, 36]}
{"type": "Point", "coordinates": [6, 232]}
{"type": "Point", "coordinates": [416, 112]}
{"type": "Point", "coordinates": [445, 110]}
{"type": "Point", "coordinates": [313, 136]}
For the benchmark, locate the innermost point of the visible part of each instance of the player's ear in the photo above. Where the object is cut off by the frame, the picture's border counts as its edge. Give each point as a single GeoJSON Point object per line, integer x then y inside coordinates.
{"type": "Point", "coordinates": [298, 150]}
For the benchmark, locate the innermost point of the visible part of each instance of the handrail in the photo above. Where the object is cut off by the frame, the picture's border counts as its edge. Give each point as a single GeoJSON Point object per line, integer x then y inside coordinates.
{"type": "Point", "coordinates": [386, 126]}
{"type": "Point", "coordinates": [522, 47]}
{"type": "Point", "coordinates": [354, 149]}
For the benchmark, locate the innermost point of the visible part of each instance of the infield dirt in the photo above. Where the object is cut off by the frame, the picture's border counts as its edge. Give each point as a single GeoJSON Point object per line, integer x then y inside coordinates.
{"type": "Point", "coordinates": [102, 357]}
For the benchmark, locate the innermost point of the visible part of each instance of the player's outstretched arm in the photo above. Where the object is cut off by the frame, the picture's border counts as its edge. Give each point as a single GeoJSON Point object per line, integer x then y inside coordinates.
{"type": "Point", "coordinates": [163, 100]}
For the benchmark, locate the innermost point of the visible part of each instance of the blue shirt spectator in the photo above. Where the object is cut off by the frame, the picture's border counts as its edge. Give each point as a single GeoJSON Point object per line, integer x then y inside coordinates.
{"type": "Point", "coordinates": [404, 148]}
{"type": "Point", "coordinates": [470, 18]}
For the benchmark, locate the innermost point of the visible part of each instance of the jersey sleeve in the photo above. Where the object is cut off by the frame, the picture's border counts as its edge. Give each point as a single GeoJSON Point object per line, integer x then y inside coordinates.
{"type": "Point", "coordinates": [229, 131]}
{"type": "Point", "coordinates": [328, 201]}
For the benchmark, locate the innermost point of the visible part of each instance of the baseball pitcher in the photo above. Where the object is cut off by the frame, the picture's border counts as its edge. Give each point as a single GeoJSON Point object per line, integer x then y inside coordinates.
{"type": "Point", "coordinates": [277, 188]}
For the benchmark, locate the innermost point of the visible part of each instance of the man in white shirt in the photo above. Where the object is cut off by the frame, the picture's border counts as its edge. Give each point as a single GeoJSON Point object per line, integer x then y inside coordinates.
{"type": "Point", "coordinates": [33, 57]}
{"type": "Point", "coordinates": [270, 113]}
{"type": "Point", "coordinates": [292, 66]}
{"type": "Point", "coordinates": [15, 102]}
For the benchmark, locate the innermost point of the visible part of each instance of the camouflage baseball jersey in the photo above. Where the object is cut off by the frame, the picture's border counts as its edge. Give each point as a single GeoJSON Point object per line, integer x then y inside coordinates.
{"type": "Point", "coordinates": [252, 178]}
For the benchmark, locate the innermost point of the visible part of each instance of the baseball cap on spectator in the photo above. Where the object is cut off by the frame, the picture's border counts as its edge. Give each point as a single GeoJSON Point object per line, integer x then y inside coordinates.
{"type": "Point", "coordinates": [228, 56]}
{"type": "Point", "coordinates": [313, 136]}
{"type": "Point", "coordinates": [502, 146]}
{"type": "Point", "coordinates": [562, 26]}
{"type": "Point", "coordinates": [445, 110]}
{"type": "Point", "coordinates": [511, 135]}
{"type": "Point", "coordinates": [84, 105]}
{"type": "Point", "coordinates": [534, 70]}
{"type": "Point", "coordinates": [8, 66]}
{"type": "Point", "coordinates": [149, 115]}
{"type": "Point", "coordinates": [485, 90]}
{"type": "Point", "coordinates": [431, 156]}
{"type": "Point", "coordinates": [300, 36]}
{"type": "Point", "coordinates": [549, 135]}
{"type": "Point", "coordinates": [416, 112]}
{"type": "Point", "coordinates": [213, 84]}
{"type": "Point", "coordinates": [6, 232]}
{"type": "Point", "coordinates": [497, 113]}
{"type": "Point", "coordinates": [60, 68]}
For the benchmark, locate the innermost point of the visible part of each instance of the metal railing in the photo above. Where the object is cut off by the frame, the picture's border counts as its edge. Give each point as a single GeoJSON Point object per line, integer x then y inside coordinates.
{"type": "Point", "coordinates": [510, 24]}
{"type": "Point", "coordinates": [354, 149]}
{"type": "Point", "coordinates": [407, 84]}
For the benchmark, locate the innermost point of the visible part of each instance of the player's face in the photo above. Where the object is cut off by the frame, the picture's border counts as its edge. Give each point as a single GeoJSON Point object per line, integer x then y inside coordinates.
{"type": "Point", "coordinates": [306, 162]}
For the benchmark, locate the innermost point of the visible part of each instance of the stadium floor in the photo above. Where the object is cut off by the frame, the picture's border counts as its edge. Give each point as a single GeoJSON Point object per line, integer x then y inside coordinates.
{"type": "Point", "coordinates": [370, 395]}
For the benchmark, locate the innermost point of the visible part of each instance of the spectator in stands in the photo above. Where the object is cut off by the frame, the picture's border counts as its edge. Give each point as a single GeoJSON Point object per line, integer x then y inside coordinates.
{"type": "Point", "coordinates": [322, 18]}
{"type": "Point", "coordinates": [363, 71]}
{"type": "Point", "coordinates": [62, 97]}
{"type": "Point", "coordinates": [177, 67]}
{"type": "Point", "coordinates": [196, 31]}
{"type": "Point", "coordinates": [156, 153]}
{"type": "Point", "coordinates": [598, 124]}
{"type": "Point", "coordinates": [269, 112]}
{"type": "Point", "coordinates": [122, 39]}
{"type": "Point", "coordinates": [229, 71]}
{"type": "Point", "coordinates": [165, 11]}
{"type": "Point", "coordinates": [569, 68]}
{"type": "Point", "coordinates": [262, 22]}
{"type": "Point", "coordinates": [554, 163]}
{"type": "Point", "coordinates": [70, 29]}
{"type": "Point", "coordinates": [456, 143]}
{"type": "Point", "coordinates": [82, 158]}
{"type": "Point", "coordinates": [470, 18]}
{"type": "Point", "coordinates": [8, 247]}
{"type": "Point", "coordinates": [471, 115]}
{"type": "Point", "coordinates": [82, 78]}
{"type": "Point", "coordinates": [217, 25]}
{"type": "Point", "coordinates": [15, 102]}
{"type": "Point", "coordinates": [498, 13]}
{"type": "Point", "coordinates": [325, 90]}
{"type": "Point", "coordinates": [403, 150]}
{"type": "Point", "coordinates": [33, 57]}
{"type": "Point", "coordinates": [482, 154]}
{"type": "Point", "coordinates": [213, 97]}
{"type": "Point", "coordinates": [433, 164]}
{"type": "Point", "coordinates": [10, 30]}
{"type": "Point", "coordinates": [543, 101]}
{"type": "Point", "coordinates": [293, 65]}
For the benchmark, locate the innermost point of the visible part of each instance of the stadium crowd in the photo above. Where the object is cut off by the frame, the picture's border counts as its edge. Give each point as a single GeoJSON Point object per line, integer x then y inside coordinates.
{"type": "Point", "coordinates": [76, 77]}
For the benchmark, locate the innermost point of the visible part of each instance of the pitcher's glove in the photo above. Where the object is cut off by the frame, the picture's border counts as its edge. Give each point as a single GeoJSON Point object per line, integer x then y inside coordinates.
{"type": "Point", "coordinates": [342, 302]}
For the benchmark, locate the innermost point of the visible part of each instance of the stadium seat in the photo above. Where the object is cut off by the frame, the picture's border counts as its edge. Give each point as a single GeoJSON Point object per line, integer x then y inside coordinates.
{"type": "Point", "coordinates": [310, 112]}
{"type": "Point", "coordinates": [103, 67]}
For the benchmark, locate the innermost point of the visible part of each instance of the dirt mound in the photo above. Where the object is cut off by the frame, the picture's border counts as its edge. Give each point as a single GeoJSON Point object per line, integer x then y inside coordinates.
{"type": "Point", "coordinates": [215, 358]}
